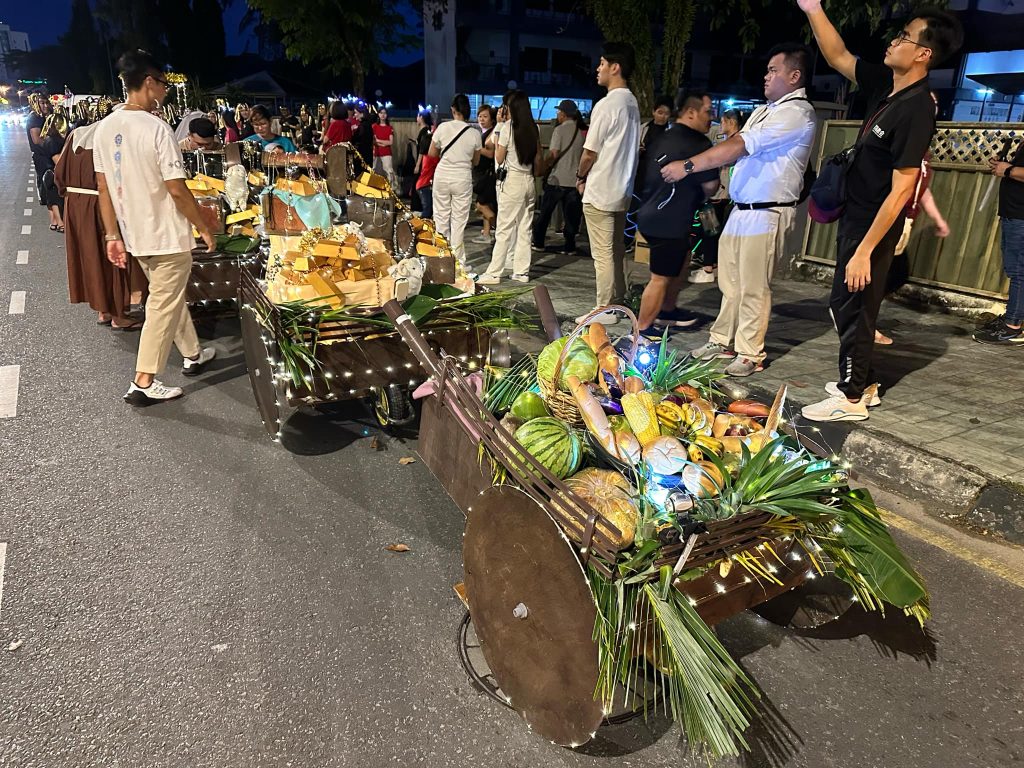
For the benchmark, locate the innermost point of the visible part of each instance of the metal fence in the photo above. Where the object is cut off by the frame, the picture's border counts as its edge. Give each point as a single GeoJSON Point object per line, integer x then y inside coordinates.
{"type": "Point", "coordinates": [969, 260]}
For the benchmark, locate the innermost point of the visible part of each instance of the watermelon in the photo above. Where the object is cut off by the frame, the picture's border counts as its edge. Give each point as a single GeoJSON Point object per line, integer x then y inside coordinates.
{"type": "Point", "coordinates": [552, 443]}
{"type": "Point", "coordinates": [579, 361]}
{"type": "Point", "coordinates": [529, 405]}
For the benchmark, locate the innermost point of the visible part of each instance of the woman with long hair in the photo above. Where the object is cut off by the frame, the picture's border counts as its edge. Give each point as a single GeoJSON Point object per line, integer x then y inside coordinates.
{"type": "Point", "coordinates": [243, 117]}
{"type": "Point", "coordinates": [383, 139]}
{"type": "Point", "coordinates": [456, 145]}
{"type": "Point", "coordinates": [517, 151]}
{"type": "Point", "coordinates": [484, 186]}
{"type": "Point", "coordinates": [425, 164]}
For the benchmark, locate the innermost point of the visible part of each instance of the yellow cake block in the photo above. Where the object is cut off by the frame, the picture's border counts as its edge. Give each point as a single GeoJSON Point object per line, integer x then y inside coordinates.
{"type": "Point", "coordinates": [326, 290]}
{"type": "Point", "coordinates": [210, 182]}
{"type": "Point", "coordinates": [238, 218]}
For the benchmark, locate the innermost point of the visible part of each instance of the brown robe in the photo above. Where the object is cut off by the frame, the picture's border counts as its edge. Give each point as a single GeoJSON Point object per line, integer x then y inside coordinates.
{"type": "Point", "coordinates": [92, 279]}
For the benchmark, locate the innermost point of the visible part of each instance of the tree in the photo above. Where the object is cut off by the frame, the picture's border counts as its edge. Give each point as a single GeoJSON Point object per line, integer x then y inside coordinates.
{"type": "Point", "coordinates": [88, 74]}
{"type": "Point", "coordinates": [343, 38]}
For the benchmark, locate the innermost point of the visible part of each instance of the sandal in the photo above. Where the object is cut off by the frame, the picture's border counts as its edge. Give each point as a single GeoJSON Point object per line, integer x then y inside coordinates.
{"type": "Point", "coordinates": [60, 228]}
{"type": "Point", "coordinates": [127, 328]}
{"type": "Point", "coordinates": [53, 227]}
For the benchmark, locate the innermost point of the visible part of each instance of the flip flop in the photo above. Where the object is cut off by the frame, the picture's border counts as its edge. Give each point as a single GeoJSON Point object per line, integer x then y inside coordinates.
{"type": "Point", "coordinates": [127, 328]}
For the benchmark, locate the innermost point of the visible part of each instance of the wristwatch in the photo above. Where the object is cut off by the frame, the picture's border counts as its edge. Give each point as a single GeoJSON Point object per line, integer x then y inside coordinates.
{"type": "Point", "coordinates": [688, 166]}
{"type": "Point", "coordinates": [1007, 172]}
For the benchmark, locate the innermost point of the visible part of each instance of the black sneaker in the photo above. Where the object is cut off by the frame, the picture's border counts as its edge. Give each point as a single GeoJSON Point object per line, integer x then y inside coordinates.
{"type": "Point", "coordinates": [195, 367]}
{"type": "Point", "coordinates": [652, 334]}
{"type": "Point", "coordinates": [156, 392]}
{"type": "Point", "coordinates": [1001, 335]}
{"type": "Point", "coordinates": [675, 318]}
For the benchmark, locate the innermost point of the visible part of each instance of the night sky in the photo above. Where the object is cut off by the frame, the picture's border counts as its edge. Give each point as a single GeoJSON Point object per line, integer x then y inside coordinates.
{"type": "Point", "coordinates": [46, 20]}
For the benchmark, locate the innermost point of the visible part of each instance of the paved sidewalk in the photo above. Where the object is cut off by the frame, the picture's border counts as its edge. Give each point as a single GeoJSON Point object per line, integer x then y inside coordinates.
{"type": "Point", "coordinates": [944, 395]}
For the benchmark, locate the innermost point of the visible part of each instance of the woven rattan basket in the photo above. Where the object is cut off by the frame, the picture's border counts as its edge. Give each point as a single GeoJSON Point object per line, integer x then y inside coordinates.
{"type": "Point", "coordinates": [562, 405]}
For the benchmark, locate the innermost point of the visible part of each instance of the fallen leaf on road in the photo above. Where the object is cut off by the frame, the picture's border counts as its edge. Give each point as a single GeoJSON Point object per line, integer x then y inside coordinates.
{"type": "Point", "coordinates": [219, 647]}
{"type": "Point", "coordinates": [376, 444]}
{"type": "Point", "coordinates": [406, 460]}
{"type": "Point", "coordinates": [397, 548]}
{"type": "Point", "coordinates": [15, 645]}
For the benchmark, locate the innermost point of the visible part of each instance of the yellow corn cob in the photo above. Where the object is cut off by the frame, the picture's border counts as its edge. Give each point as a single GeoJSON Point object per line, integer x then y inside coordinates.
{"type": "Point", "coordinates": [642, 417]}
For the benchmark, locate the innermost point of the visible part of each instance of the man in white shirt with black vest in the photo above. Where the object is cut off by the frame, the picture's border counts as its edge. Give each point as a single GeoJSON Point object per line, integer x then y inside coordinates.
{"type": "Point", "coordinates": [771, 155]}
{"type": "Point", "coordinates": [607, 170]}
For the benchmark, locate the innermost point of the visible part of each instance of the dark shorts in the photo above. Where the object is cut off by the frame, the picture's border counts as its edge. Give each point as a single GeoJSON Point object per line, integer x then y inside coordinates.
{"type": "Point", "coordinates": [668, 256]}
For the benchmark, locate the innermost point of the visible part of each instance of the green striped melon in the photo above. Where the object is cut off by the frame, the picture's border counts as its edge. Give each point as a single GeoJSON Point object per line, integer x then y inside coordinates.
{"type": "Point", "coordinates": [552, 443]}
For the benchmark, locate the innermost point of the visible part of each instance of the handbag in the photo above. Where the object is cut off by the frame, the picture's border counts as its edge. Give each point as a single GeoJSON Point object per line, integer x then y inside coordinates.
{"type": "Point", "coordinates": [375, 215]}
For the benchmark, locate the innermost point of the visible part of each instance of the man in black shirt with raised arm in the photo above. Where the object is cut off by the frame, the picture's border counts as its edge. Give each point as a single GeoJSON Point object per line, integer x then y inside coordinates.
{"type": "Point", "coordinates": [892, 141]}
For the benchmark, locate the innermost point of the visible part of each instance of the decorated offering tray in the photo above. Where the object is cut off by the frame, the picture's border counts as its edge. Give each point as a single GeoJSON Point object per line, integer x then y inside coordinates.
{"type": "Point", "coordinates": [310, 352]}
{"type": "Point", "coordinates": [620, 505]}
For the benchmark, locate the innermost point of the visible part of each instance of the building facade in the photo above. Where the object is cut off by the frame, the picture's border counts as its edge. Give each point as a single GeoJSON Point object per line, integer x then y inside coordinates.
{"type": "Point", "coordinates": [10, 40]}
{"type": "Point", "coordinates": [485, 47]}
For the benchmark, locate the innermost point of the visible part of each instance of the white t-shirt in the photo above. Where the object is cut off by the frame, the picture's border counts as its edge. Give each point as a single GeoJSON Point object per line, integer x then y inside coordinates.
{"type": "Point", "coordinates": [457, 163]}
{"type": "Point", "coordinates": [137, 153]}
{"type": "Point", "coordinates": [615, 135]}
{"type": "Point", "coordinates": [506, 139]}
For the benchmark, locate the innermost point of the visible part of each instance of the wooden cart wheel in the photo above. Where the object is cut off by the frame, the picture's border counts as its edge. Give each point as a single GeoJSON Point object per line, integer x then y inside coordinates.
{"type": "Point", "coordinates": [811, 605]}
{"type": "Point", "coordinates": [392, 406]}
{"type": "Point", "coordinates": [261, 359]}
{"type": "Point", "coordinates": [534, 614]}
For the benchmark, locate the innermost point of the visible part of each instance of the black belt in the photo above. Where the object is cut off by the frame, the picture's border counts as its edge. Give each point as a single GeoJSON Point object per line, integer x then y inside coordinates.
{"type": "Point", "coordinates": [763, 206]}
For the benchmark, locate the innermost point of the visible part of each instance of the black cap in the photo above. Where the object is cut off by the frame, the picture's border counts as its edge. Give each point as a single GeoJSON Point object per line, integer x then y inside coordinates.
{"type": "Point", "coordinates": [569, 107]}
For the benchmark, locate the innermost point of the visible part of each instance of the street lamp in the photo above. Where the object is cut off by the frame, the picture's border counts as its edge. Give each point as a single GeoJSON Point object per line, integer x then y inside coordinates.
{"type": "Point", "coordinates": [985, 93]}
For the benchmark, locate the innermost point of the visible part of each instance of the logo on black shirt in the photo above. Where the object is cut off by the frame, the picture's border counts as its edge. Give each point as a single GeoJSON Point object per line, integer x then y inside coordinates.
{"type": "Point", "coordinates": [877, 130]}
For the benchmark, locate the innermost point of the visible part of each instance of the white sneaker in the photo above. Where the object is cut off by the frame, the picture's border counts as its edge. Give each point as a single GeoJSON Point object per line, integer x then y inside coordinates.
{"type": "Point", "coordinates": [195, 367]}
{"type": "Point", "coordinates": [486, 279]}
{"type": "Point", "coordinates": [605, 319]}
{"type": "Point", "coordinates": [703, 276]}
{"type": "Point", "coordinates": [521, 278]}
{"type": "Point", "coordinates": [482, 239]}
{"type": "Point", "coordinates": [832, 388]}
{"type": "Point", "coordinates": [154, 393]}
{"type": "Point", "coordinates": [836, 409]}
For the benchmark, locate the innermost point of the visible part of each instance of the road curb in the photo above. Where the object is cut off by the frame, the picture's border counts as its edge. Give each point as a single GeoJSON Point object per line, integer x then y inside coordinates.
{"type": "Point", "coordinates": [955, 492]}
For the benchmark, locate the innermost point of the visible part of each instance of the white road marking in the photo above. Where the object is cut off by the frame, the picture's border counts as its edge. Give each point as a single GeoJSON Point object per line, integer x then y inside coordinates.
{"type": "Point", "coordinates": [3, 562]}
{"type": "Point", "coordinates": [30, 199]}
{"type": "Point", "coordinates": [9, 376]}
{"type": "Point", "coordinates": [17, 303]}
{"type": "Point", "coordinates": [28, 211]}
{"type": "Point", "coordinates": [26, 229]}
{"type": "Point", "coordinates": [22, 257]}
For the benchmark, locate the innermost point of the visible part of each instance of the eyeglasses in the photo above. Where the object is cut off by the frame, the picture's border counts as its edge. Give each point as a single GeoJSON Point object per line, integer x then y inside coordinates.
{"type": "Point", "coordinates": [164, 83]}
{"type": "Point", "coordinates": [904, 37]}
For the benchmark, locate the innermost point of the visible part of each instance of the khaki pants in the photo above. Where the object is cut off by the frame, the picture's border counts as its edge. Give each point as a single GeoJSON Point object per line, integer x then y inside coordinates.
{"type": "Point", "coordinates": [748, 253]}
{"type": "Point", "coordinates": [607, 233]}
{"type": "Point", "coordinates": [167, 317]}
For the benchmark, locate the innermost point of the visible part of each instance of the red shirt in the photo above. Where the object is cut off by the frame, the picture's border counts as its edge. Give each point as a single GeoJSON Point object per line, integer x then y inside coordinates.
{"type": "Point", "coordinates": [382, 132]}
{"type": "Point", "coordinates": [338, 132]}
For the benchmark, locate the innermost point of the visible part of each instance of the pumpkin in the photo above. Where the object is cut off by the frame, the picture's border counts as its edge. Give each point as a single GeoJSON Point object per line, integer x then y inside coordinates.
{"type": "Point", "coordinates": [612, 497]}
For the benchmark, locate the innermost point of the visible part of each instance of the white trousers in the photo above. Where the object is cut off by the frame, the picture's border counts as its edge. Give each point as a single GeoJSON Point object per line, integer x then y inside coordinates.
{"type": "Point", "coordinates": [385, 166]}
{"type": "Point", "coordinates": [513, 230]}
{"type": "Point", "coordinates": [452, 199]}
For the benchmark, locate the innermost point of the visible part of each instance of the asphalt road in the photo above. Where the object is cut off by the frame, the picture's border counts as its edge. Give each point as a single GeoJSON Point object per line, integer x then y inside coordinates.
{"type": "Point", "coordinates": [187, 593]}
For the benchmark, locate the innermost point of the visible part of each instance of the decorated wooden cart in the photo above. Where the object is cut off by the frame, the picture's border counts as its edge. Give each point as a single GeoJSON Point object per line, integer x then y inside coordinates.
{"type": "Point", "coordinates": [582, 613]}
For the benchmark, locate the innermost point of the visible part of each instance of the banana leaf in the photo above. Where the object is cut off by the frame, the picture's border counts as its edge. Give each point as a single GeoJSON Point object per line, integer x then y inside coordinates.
{"type": "Point", "coordinates": [876, 556]}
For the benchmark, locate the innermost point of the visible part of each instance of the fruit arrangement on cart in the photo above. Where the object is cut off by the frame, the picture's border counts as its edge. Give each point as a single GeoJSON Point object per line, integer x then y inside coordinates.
{"type": "Point", "coordinates": [621, 506]}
